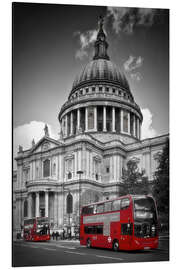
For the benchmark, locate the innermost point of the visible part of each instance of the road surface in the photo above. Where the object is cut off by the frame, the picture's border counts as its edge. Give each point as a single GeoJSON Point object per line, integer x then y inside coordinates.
{"type": "Point", "coordinates": [71, 253]}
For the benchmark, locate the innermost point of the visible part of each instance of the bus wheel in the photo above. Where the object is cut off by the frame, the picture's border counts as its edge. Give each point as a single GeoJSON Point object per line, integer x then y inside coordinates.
{"type": "Point", "coordinates": [115, 245]}
{"type": "Point", "coordinates": [88, 243]}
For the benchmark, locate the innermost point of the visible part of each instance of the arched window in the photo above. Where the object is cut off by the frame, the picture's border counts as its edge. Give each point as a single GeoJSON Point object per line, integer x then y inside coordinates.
{"type": "Point", "coordinates": [96, 198]}
{"type": "Point", "coordinates": [69, 175]}
{"type": "Point", "coordinates": [69, 203]}
{"type": "Point", "coordinates": [54, 169]}
{"type": "Point", "coordinates": [25, 208]}
{"type": "Point", "coordinates": [46, 168]}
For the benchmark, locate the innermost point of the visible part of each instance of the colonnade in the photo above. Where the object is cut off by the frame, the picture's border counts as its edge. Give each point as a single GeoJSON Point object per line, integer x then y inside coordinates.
{"type": "Point", "coordinates": [37, 203]}
{"type": "Point", "coordinates": [97, 118]}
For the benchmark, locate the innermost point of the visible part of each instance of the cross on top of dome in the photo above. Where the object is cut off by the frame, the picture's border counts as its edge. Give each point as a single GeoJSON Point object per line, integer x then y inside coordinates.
{"type": "Point", "coordinates": [101, 44]}
{"type": "Point", "coordinates": [101, 22]}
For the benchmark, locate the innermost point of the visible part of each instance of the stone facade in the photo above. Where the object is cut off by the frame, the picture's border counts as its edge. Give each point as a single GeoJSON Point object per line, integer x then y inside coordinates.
{"type": "Point", "coordinates": [100, 130]}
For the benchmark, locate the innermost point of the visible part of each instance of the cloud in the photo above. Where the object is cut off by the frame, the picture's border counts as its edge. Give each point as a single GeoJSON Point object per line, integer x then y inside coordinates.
{"type": "Point", "coordinates": [24, 134]}
{"type": "Point", "coordinates": [137, 76]}
{"type": "Point", "coordinates": [130, 66]}
{"type": "Point", "coordinates": [133, 63]}
{"type": "Point", "coordinates": [86, 39]}
{"type": "Point", "coordinates": [147, 130]}
{"type": "Point", "coordinates": [126, 19]}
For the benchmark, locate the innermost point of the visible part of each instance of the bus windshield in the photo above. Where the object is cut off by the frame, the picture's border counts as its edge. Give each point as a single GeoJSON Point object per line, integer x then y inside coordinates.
{"type": "Point", "coordinates": [144, 209]}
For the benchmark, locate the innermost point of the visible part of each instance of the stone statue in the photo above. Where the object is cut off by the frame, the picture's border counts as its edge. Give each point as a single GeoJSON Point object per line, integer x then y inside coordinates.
{"type": "Point", "coordinates": [33, 143]}
{"type": "Point", "coordinates": [46, 131]}
{"type": "Point", "coordinates": [101, 22]}
{"type": "Point", "coordinates": [20, 148]}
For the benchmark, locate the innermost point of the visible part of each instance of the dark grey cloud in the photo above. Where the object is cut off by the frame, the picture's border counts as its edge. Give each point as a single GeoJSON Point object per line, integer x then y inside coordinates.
{"type": "Point", "coordinates": [126, 19]}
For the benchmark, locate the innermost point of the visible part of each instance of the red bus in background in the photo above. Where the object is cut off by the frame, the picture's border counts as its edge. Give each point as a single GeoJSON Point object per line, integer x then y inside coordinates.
{"type": "Point", "coordinates": [128, 223]}
{"type": "Point", "coordinates": [36, 229]}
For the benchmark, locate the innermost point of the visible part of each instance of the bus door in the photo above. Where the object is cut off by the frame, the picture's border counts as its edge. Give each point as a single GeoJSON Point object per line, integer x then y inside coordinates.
{"type": "Point", "coordinates": [126, 235]}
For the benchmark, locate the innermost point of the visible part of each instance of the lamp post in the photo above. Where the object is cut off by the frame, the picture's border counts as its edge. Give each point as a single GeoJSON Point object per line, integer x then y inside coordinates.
{"type": "Point", "coordinates": [79, 173]}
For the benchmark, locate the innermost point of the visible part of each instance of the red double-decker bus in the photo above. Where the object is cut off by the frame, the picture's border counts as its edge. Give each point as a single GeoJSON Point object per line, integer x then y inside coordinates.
{"type": "Point", "coordinates": [36, 229]}
{"type": "Point", "coordinates": [128, 223]}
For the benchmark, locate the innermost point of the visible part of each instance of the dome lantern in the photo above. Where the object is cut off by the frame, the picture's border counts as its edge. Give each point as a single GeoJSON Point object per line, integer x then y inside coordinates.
{"type": "Point", "coordinates": [101, 44]}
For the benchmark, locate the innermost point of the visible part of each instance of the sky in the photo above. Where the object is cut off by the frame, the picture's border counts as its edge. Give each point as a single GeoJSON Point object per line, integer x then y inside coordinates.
{"type": "Point", "coordinates": [52, 43]}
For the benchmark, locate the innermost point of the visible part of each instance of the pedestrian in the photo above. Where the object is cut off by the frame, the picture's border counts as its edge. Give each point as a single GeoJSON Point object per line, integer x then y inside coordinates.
{"type": "Point", "coordinates": [53, 235]}
{"type": "Point", "coordinates": [57, 234]}
{"type": "Point", "coordinates": [63, 233]}
{"type": "Point", "coordinates": [69, 234]}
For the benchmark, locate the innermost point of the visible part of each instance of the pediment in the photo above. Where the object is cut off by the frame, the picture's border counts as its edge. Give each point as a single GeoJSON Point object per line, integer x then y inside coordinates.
{"type": "Point", "coordinates": [45, 144]}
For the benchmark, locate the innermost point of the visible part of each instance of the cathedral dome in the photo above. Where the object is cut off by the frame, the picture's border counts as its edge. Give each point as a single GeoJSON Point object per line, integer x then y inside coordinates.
{"type": "Point", "coordinates": [100, 70]}
{"type": "Point", "coordinates": [100, 102]}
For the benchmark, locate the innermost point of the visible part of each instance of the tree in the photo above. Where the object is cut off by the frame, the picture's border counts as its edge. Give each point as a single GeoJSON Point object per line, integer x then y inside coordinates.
{"type": "Point", "coordinates": [161, 184]}
{"type": "Point", "coordinates": [135, 182]}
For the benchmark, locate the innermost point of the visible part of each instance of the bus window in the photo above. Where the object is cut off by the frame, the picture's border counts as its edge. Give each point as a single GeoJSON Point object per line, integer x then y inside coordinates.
{"type": "Point", "coordinates": [126, 229]}
{"type": "Point", "coordinates": [100, 208]}
{"type": "Point", "coordinates": [125, 203]}
{"type": "Point", "coordinates": [116, 205]}
{"type": "Point", "coordinates": [89, 229]}
{"type": "Point", "coordinates": [107, 206]}
{"type": "Point", "coordinates": [99, 229]}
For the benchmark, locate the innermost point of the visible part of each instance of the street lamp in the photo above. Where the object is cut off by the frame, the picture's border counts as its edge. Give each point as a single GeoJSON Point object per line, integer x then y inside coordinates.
{"type": "Point", "coordinates": [79, 173]}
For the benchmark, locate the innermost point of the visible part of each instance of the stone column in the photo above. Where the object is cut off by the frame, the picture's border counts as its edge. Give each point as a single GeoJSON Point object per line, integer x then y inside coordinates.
{"type": "Point", "coordinates": [134, 126]}
{"type": "Point", "coordinates": [122, 120]}
{"type": "Point", "coordinates": [66, 121]}
{"type": "Point", "coordinates": [78, 119]}
{"type": "Point", "coordinates": [128, 122]}
{"type": "Point", "coordinates": [75, 164]}
{"type": "Point", "coordinates": [87, 163]}
{"type": "Point", "coordinates": [59, 208]}
{"type": "Point", "coordinates": [113, 119]}
{"type": "Point", "coordinates": [46, 204]}
{"type": "Point", "coordinates": [29, 205]}
{"type": "Point", "coordinates": [111, 169]}
{"type": "Point", "coordinates": [90, 164]}
{"type": "Point", "coordinates": [79, 160]}
{"type": "Point", "coordinates": [37, 204]}
{"type": "Point", "coordinates": [71, 131]}
{"type": "Point", "coordinates": [86, 119]}
{"type": "Point", "coordinates": [104, 119]}
{"type": "Point", "coordinates": [95, 118]}
{"type": "Point", "coordinates": [115, 169]}
{"type": "Point", "coordinates": [138, 128]}
{"type": "Point", "coordinates": [55, 208]}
